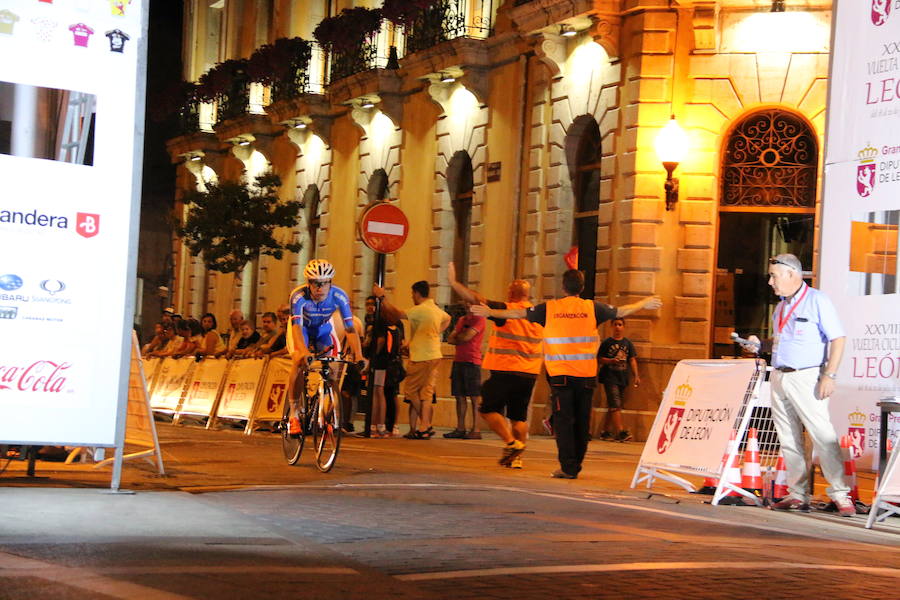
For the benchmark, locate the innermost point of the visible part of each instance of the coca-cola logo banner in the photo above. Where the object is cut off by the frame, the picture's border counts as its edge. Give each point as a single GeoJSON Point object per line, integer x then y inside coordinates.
{"type": "Point", "coordinates": [42, 376]}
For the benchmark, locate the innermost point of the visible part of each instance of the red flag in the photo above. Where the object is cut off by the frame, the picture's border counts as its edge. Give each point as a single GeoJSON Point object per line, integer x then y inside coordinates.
{"type": "Point", "coordinates": [572, 257]}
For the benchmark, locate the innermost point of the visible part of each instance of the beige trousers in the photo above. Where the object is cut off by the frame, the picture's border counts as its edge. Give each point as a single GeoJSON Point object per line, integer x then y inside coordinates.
{"type": "Point", "coordinates": [794, 403]}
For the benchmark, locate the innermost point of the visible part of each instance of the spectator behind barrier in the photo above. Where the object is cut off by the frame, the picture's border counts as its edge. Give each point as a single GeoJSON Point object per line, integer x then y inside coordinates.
{"type": "Point", "coordinates": [157, 342]}
{"type": "Point", "coordinates": [246, 345]}
{"type": "Point", "coordinates": [172, 343]}
{"type": "Point", "coordinates": [235, 317]}
{"type": "Point", "coordinates": [212, 342]}
{"type": "Point", "coordinates": [273, 338]}
{"type": "Point", "coordinates": [192, 334]}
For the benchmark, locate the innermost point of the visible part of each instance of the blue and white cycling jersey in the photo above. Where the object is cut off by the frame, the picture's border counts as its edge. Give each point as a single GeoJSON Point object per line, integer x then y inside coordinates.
{"type": "Point", "coordinates": [315, 317]}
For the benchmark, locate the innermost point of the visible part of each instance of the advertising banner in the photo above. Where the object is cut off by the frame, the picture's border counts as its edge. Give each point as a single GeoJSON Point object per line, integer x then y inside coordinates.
{"type": "Point", "coordinates": [274, 390]}
{"type": "Point", "coordinates": [239, 389]}
{"type": "Point", "coordinates": [72, 80]}
{"type": "Point", "coordinates": [151, 366]}
{"type": "Point", "coordinates": [171, 379]}
{"type": "Point", "coordinates": [203, 387]}
{"type": "Point", "coordinates": [698, 411]}
{"type": "Point", "coordinates": [861, 215]}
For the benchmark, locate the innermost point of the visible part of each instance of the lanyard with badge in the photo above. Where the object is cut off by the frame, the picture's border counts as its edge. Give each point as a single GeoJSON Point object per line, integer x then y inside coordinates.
{"type": "Point", "coordinates": [782, 319]}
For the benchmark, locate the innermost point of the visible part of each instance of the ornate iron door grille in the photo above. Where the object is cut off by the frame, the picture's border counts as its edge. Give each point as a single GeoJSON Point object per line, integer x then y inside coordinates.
{"type": "Point", "coordinates": [770, 161]}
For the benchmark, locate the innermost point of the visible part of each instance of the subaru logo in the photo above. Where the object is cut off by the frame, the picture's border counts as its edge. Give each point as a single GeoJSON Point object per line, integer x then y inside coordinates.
{"type": "Point", "coordinates": [52, 286]}
{"type": "Point", "coordinates": [10, 282]}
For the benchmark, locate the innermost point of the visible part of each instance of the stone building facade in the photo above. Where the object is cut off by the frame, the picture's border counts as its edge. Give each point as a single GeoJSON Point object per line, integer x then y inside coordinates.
{"type": "Point", "coordinates": [524, 130]}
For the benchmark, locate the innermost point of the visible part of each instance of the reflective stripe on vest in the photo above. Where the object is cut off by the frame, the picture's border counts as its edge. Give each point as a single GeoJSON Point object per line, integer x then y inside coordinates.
{"type": "Point", "coordinates": [516, 346]}
{"type": "Point", "coordinates": [570, 337]}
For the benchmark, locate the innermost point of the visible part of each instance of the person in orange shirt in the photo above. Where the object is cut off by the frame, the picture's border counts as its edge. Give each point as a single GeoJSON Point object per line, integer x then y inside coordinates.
{"type": "Point", "coordinates": [570, 343]}
{"type": "Point", "coordinates": [514, 359]}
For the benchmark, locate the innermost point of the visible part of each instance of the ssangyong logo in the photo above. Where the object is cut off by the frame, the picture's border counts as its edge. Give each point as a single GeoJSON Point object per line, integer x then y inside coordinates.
{"type": "Point", "coordinates": [866, 171]}
{"type": "Point", "coordinates": [39, 376]}
{"type": "Point", "coordinates": [881, 10]}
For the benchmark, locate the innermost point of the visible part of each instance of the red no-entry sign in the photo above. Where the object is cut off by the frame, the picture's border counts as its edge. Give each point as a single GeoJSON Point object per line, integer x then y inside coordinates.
{"type": "Point", "coordinates": [383, 227]}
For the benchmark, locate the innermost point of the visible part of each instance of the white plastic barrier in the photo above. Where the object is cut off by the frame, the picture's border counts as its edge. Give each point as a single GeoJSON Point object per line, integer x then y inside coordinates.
{"type": "Point", "coordinates": [704, 401]}
{"type": "Point", "coordinates": [243, 381]}
{"type": "Point", "coordinates": [273, 394]}
{"type": "Point", "coordinates": [203, 388]}
{"type": "Point", "coordinates": [168, 387]}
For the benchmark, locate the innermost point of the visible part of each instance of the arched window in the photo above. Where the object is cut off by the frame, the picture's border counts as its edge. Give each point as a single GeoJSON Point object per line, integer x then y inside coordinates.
{"type": "Point", "coordinates": [377, 189]}
{"type": "Point", "coordinates": [586, 186]}
{"type": "Point", "coordinates": [770, 160]}
{"type": "Point", "coordinates": [313, 219]}
{"type": "Point", "coordinates": [460, 183]}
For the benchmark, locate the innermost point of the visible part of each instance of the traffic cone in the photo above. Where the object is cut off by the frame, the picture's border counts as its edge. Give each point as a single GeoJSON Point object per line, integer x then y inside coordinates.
{"type": "Point", "coordinates": [780, 489]}
{"type": "Point", "coordinates": [849, 467]}
{"type": "Point", "coordinates": [711, 483]}
{"type": "Point", "coordinates": [732, 473]}
{"type": "Point", "coordinates": [751, 476]}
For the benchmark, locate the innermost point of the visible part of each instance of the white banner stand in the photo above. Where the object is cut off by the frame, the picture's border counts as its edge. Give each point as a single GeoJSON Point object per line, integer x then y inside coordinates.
{"type": "Point", "coordinates": [140, 429]}
{"type": "Point", "coordinates": [704, 401]}
{"type": "Point", "coordinates": [71, 183]}
{"type": "Point", "coordinates": [887, 494]}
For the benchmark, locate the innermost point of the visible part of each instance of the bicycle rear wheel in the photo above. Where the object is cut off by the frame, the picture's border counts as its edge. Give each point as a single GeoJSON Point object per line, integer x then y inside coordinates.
{"type": "Point", "coordinates": [327, 429]}
{"type": "Point", "coordinates": [292, 445]}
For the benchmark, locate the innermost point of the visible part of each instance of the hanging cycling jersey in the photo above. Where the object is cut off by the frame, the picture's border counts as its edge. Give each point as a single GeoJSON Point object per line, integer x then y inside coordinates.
{"type": "Point", "coordinates": [315, 317]}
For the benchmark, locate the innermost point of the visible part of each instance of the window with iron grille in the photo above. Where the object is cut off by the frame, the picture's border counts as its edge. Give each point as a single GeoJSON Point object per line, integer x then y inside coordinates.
{"type": "Point", "coordinates": [770, 160]}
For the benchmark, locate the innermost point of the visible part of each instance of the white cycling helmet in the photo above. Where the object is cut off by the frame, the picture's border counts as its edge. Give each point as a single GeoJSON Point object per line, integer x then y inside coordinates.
{"type": "Point", "coordinates": [319, 269]}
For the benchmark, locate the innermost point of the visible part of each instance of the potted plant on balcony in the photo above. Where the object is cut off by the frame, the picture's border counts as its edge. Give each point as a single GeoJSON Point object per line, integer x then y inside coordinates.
{"type": "Point", "coordinates": [227, 84]}
{"type": "Point", "coordinates": [405, 12]}
{"type": "Point", "coordinates": [348, 30]}
{"type": "Point", "coordinates": [283, 65]}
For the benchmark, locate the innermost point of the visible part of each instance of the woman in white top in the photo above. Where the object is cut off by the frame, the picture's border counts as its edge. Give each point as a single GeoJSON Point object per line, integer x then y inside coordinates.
{"type": "Point", "coordinates": [212, 344]}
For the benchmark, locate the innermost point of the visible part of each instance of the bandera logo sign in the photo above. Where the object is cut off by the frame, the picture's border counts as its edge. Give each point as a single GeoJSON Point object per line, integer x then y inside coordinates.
{"type": "Point", "coordinates": [683, 393]}
{"type": "Point", "coordinates": [866, 171]}
{"type": "Point", "coordinates": [86, 224]}
{"type": "Point", "coordinates": [39, 376]}
{"type": "Point", "coordinates": [880, 11]}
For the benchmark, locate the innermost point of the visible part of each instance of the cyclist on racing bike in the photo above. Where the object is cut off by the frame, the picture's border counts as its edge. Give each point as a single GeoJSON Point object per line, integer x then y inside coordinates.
{"type": "Point", "coordinates": [312, 306]}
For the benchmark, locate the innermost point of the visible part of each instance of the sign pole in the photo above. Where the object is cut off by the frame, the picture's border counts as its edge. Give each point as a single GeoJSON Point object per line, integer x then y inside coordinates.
{"type": "Point", "coordinates": [380, 260]}
{"type": "Point", "coordinates": [383, 228]}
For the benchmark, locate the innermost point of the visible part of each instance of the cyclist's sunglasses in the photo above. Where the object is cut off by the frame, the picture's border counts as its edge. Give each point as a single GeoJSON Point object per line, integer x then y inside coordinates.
{"type": "Point", "coordinates": [318, 283]}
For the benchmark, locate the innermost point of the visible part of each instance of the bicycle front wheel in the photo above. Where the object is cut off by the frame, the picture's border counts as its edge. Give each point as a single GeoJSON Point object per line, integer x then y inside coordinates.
{"type": "Point", "coordinates": [291, 444]}
{"type": "Point", "coordinates": [327, 429]}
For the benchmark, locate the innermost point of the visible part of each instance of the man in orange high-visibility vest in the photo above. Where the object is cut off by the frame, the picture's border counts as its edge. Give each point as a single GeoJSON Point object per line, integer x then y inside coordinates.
{"type": "Point", "coordinates": [570, 342]}
{"type": "Point", "coordinates": [514, 359]}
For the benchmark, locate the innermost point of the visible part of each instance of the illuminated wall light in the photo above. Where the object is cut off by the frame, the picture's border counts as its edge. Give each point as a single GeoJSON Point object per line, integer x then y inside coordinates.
{"type": "Point", "coordinates": [299, 125]}
{"type": "Point", "coordinates": [367, 104]}
{"type": "Point", "coordinates": [243, 143]}
{"type": "Point", "coordinates": [195, 158]}
{"type": "Point", "coordinates": [447, 78]}
{"type": "Point", "coordinates": [567, 31]}
{"type": "Point", "coordinates": [779, 31]}
{"type": "Point", "coordinates": [671, 147]}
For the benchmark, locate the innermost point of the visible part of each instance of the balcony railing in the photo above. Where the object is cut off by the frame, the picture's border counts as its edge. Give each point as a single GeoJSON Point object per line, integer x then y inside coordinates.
{"type": "Point", "coordinates": [235, 102]}
{"type": "Point", "coordinates": [447, 20]}
{"type": "Point", "coordinates": [374, 53]}
{"type": "Point", "coordinates": [195, 116]}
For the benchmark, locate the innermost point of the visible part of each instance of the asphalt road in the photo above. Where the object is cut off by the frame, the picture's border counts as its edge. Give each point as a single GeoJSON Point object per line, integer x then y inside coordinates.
{"type": "Point", "coordinates": [410, 519]}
